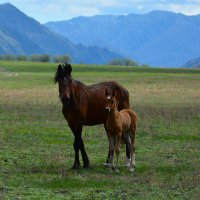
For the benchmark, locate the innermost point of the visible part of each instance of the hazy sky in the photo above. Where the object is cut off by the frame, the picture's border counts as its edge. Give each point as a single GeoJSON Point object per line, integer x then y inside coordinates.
{"type": "Point", "coordinates": [49, 10]}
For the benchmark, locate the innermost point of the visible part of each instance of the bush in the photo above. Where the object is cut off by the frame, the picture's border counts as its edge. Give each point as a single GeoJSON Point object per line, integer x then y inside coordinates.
{"type": "Point", "coordinates": [40, 58]}
{"type": "Point", "coordinates": [124, 62]}
{"type": "Point", "coordinates": [22, 58]}
{"type": "Point", "coordinates": [62, 59]}
{"type": "Point", "coordinates": [116, 62]}
{"type": "Point", "coordinates": [7, 57]}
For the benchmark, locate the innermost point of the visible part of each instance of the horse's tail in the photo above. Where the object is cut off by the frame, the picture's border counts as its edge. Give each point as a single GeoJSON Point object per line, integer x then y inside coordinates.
{"type": "Point", "coordinates": [124, 102]}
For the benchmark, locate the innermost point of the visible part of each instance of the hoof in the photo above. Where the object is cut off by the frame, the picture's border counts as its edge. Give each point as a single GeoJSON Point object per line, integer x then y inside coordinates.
{"type": "Point", "coordinates": [86, 165]}
{"type": "Point", "coordinates": [112, 168]}
{"type": "Point", "coordinates": [107, 164]}
{"type": "Point", "coordinates": [131, 169]}
{"type": "Point", "coordinates": [76, 166]}
{"type": "Point", "coordinates": [128, 162]}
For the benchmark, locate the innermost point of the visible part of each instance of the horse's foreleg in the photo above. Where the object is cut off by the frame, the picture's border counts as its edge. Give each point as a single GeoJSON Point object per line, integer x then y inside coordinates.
{"type": "Point", "coordinates": [84, 154]}
{"type": "Point", "coordinates": [78, 144]}
{"type": "Point", "coordinates": [76, 149]}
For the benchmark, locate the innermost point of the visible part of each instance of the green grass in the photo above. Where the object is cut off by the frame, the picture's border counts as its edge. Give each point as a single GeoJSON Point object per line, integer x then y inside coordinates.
{"type": "Point", "coordinates": [36, 150]}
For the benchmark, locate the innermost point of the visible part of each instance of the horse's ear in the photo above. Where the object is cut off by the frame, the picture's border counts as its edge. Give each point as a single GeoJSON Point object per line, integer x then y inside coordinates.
{"type": "Point", "coordinates": [69, 69]}
{"type": "Point", "coordinates": [58, 73]}
{"type": "Point", "coordinates": [59, 68]}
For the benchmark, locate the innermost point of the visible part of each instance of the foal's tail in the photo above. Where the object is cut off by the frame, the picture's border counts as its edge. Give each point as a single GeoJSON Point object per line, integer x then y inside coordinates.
{"type": "Point", "coordinates": [134, 122]}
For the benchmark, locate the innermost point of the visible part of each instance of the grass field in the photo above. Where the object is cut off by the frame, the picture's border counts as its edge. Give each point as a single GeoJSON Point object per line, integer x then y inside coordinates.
{"type": "Point", "coordinates": [36, 151]}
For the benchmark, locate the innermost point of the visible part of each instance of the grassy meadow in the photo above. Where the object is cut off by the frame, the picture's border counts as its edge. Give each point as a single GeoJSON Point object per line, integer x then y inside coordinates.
{"type": "Point", "coordinates": [36, 151]}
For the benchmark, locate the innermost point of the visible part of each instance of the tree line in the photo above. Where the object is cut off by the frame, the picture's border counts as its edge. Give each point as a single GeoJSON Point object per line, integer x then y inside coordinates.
{"type": "Point", "coordinates": [37, 58]}
{"type": "Point", "coordinates": [65, 58]}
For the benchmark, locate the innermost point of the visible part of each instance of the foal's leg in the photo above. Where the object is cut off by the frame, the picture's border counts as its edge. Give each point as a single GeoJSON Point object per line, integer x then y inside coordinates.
{"type": "Point", "coordinates": [133, 130]}
{"type": "Point", "coordinates": [107, 163]}
{"type": "Point", "coordinates": [132, 133]}
{"type": "Point", "coordinates": [133, 147]}
{"type": "Point", "coordinates": [127, 149]}
{"type": "Point", "coordinates": [132, 164]}
{"type": "Point", "coordinates": [128, 153]}
{"type": "Point", "coordinates": [127, 138]}
{"type": "Point", "coordinates": [117, 151]}
{"type": "Point", "coordinates": [111, 151]}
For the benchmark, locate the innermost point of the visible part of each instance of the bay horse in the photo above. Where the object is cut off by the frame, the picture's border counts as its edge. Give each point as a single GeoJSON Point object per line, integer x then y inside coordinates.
{"type": "Point", "coordinates": [120, 123]}
{"type": "Point", "coordinates": [84, 105]}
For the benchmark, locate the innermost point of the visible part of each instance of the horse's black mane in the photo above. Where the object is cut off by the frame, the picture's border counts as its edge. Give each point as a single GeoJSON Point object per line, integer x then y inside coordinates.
{"type": "Point", "coordinates": [63, 70]}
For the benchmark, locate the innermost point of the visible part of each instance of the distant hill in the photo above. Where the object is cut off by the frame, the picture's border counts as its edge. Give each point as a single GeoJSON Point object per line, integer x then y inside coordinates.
{"type": "Point", "coordinates": [193, 63]}
{"type": "Point", "coordinates": [158, 38]}
{"type": "Point", "coordinates": [20, 34]}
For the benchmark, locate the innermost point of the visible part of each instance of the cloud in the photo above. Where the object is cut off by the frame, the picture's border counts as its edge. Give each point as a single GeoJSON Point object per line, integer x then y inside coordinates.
{"type": "Point", "coordinates": [193, 1]}
{"type": "Point", "coordinates": [188, 9]}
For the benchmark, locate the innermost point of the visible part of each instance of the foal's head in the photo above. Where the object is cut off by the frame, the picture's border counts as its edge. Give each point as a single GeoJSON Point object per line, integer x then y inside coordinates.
{"type": "Point", "coordinates": [110, 99]}
{"type": "Point", "coordinates": [64, 79]}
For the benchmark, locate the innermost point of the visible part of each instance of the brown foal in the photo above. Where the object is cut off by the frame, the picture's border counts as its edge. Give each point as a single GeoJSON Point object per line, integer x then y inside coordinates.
{"type": "Point", "coordinates": [120, 123]}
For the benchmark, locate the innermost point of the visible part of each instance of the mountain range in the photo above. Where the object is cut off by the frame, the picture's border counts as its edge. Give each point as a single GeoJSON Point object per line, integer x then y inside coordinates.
{"type": "Point", "coordinates": [193, 63]}
{"type": "Point", "coordinates": [158, 38]}
{"type": "Point", "coordinates": [20, 34]}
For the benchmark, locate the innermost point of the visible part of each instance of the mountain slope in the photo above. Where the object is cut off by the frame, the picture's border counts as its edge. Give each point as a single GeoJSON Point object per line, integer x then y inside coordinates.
{"type": "Point", "coordinates": [157, 38]}
{"type": "Point", "coordinates": [193, 63]}
{"type": "Point", "coordinates": [20, 34]}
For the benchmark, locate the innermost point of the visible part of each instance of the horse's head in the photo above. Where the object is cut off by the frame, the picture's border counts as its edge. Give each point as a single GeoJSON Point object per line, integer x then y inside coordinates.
{"type": "Point", "coordinates": [64, 79]}
{"type": "Point", "coordinates": [110, 99]}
